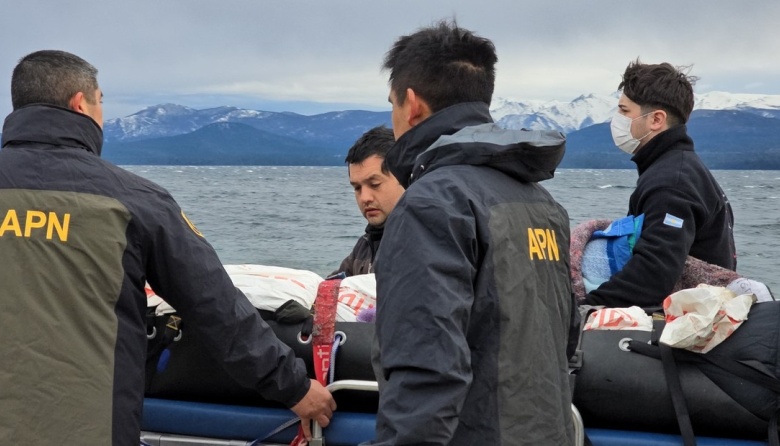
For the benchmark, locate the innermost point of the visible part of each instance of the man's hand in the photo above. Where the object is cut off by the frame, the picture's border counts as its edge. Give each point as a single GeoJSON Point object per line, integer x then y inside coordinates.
{"type": "Point", "coordinates": [317, 404]}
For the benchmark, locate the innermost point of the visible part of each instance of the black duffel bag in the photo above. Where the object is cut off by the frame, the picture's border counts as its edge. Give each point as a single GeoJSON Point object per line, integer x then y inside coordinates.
{"type": "Point", "coordinates": [179, 368]}
{"type": "Point", "coordinates": [622, 389]}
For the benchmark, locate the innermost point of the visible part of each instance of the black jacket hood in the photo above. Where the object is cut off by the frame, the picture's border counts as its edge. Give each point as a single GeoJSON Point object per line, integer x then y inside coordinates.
{"type": "Point", "coordinates": [465, 134]}
{"type": "Point", "coordinates": [52, 125]}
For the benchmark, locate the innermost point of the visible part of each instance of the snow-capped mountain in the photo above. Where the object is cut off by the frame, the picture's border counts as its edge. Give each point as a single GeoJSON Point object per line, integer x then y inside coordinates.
{"type": "Point", "coordinates": [577, 114]}
{"type": "Point", "coordinates": [336, 131]}
{"type": "Point", "coordinates": [731, 132]}
{"type": "Point", "coordinates": [761, 104]}
{"type": "Point", "coordinates": [171, 120]}
{"type": "Point", "coordinates": [581, 112]}
{"type": "Point", "coordinates": [587, 110]}
{"type": "Point", "coordinates": [166, 120]}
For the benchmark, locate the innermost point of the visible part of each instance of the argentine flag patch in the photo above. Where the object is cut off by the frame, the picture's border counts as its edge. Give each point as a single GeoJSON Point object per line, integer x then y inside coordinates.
{"type": "Point", "coordinates": [671, 220]}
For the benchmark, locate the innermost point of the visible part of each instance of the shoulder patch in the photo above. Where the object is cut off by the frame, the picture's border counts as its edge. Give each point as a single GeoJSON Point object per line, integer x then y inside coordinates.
{"type": "Point", "coordinates": [189, 223]}
{"type": "Point", "coordinates": [671, 220]}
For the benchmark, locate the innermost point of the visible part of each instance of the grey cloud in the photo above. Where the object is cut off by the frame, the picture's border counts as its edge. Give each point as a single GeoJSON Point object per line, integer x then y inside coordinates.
{"type": "Point", "coordinates": [280, 53]}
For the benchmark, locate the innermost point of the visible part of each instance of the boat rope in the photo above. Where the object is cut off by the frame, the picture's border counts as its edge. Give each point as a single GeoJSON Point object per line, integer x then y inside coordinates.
{"type": "Point", "coordinates": [336, 343]}
{"type": "Point", "coordinates": [325, 344]}
{"type": "Point", "coordinates": [286, 425]}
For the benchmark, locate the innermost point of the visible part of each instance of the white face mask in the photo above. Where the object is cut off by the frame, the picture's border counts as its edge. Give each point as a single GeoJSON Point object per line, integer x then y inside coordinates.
{"type": "Point", "coordinates": [621, 132]}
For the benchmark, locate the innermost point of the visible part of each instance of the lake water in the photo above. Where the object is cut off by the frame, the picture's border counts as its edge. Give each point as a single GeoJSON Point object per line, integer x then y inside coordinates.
{"type": "Point", "coordinates": [306, 217]}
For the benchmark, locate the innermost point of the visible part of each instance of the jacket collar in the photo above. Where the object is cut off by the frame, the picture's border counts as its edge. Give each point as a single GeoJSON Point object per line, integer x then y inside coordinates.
{"type": "Point", "coordinates": [465, 134]}
{"type": "Point", "coordinates": [675, 138]}
{"type": "Point", "coordinates": [375, 232]}
{"type": "Point", "coordinates": [401, 157]}
{"type": "Point", "coordinates": [53, 126]}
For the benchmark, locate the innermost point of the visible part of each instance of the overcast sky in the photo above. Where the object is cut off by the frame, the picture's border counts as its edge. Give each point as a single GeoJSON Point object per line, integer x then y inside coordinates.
{"type": "Point", "coordinates": [322, 55]}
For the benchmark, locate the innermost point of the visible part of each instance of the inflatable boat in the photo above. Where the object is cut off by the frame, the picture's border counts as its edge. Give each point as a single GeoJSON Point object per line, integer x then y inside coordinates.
{"type": "Point", "coordinates": [620, 397]}
{"type": "Point", "coordinates": [193, 402]}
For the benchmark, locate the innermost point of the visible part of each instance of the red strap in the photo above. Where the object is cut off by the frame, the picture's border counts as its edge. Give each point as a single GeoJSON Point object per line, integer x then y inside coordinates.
{"type": "Point", "coordinates": [323, 332]}
{"type": "Point", "coordinates": [299, 439]}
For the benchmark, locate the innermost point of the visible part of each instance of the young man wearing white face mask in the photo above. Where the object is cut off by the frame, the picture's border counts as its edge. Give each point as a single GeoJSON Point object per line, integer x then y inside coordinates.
{"type": "Point", "coordinates": [686, 211]}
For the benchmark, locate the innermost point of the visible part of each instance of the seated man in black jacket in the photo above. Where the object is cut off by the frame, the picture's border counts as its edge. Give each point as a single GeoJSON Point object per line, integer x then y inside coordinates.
{"type": "Point", "coordinates": [376, 192]}
{"type": "Point", "coordinates": [686, 211]}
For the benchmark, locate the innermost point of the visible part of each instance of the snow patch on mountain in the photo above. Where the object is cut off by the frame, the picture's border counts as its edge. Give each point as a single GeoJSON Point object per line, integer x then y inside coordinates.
{"type": "Point", "coordinates": [587, 110]}
{"type": "Point", "coordinates": [581, 112]}
{"type": "Point", "coordinates": [718, 100]}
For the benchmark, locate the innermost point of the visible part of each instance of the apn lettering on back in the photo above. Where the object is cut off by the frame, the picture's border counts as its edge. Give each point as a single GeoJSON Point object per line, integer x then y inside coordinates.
{"type": "Point", "coordinates": [35, 222]}
{"type": "Point", "coordinates": [542, 244]}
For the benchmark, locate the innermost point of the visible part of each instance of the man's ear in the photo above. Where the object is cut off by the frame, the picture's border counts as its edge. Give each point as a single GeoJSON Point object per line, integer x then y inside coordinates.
{"type": "Point", "coordinates": [659, 120]}
{"type": "Point", "coordinates": [76, 102]}
{"type": "Point", "coordinates": [418, 108]}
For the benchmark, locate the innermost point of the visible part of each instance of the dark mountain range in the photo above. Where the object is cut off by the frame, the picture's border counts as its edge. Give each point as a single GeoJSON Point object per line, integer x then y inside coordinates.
{"type": "Point", "coordinates": [724, 139]}
{"type": "Point", "coordinates": [169, 134]}
{"type": "Point", "coordinates": [173, 134]}
{"type": "Point", "coordinates": [225, 143]}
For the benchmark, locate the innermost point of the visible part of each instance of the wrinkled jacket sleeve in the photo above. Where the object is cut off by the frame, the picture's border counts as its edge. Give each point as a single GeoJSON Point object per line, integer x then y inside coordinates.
{"type": "Point", "coordinates": [425, 273]}
{"type": "Point", "coordinates": [184, 270]}
{"type": "Point", "coordinates": [659, 255]}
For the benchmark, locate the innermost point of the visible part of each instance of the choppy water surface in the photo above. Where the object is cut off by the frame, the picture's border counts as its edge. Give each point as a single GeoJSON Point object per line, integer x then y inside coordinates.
{"type": "Point", "coordinates": [306, 217]}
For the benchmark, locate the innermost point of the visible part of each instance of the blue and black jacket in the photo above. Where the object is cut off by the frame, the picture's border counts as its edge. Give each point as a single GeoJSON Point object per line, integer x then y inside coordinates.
{"type": "Point", "coordinates": [80, 237]}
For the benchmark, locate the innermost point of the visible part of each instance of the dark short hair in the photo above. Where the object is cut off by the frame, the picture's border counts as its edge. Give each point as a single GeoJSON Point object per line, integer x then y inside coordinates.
{"type": "Point", "coordinates": [52, 77]}
{"type": "Point", "coordinates": [444, 65]}
{"type": "Point", "coordinates": [660, 86]}
{"type": "Point", "coordinates": [376, 141]}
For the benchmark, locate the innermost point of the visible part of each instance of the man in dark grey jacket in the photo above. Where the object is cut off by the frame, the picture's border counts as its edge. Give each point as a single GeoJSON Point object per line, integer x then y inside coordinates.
{"type": "Point", "coordinates": [474, 300]}
{"type": "Point", "coordinates": [80, 237]}
{"type": "Point", "coordinates": [376, 192]}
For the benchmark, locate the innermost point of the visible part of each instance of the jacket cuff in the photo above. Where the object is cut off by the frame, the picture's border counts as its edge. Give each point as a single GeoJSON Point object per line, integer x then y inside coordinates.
{"type": "Point", "coordinates": [301, 392]}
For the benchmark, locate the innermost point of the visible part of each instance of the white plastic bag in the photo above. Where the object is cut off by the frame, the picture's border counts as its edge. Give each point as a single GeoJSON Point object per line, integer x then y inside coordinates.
{"type": "Point", "coordinates": [160, 306]}
{"type": "Point", "coordinates": [356, 293]}
{"type": "Point", "coordinates": [268, 287]}
{"type": "Point", "coordinates": [631, 318]}
{"type": "Point", "coordinates": [698, 319]}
